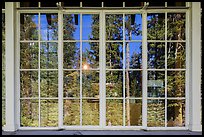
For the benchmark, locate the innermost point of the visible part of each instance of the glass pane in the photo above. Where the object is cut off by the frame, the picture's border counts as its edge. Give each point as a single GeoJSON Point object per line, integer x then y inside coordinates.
{"type": "Point", "coordinates": [71, 112]}
{"type": "Point", "coordinates": [29, 26]}
{"type": "Point", "coordinates": [71, 84]}
{"type": "Point", "coordinates": [114, 27]}
{"type": "Point", "coordinates": [90, 27]}
{"type": "Point", "coordinates": [156, 26]}
{"type": "Point", "coordinates": [133, 55]}
{"type": "Point", "coordinates": [176, 113]}
{"type": "Point", "coordinates": [156, 55]}
{"type": "Point", "coordinates": [48, 4]}
{"type": "Point", "coordinates": [133, 112]}
{"type": "Point", "coordinates": [71, 4]}
{"type": "Point", "coordinates": [3, 113]}
{"type": "Point", "coordinates": [113, 4]}
{"type": "Point", "coordinates": [90, 112]}
{"type": "Point", "coordinates": [3, 56]}
{"type": "Point", "coordinates": [114, 84]}
{"type": "Point", "coordinates": [176, 26]}
{"type": "Point", "coordinates": [49, 113]}
{"type": "Point", "coordinates": [176, 55]}
{"type": "Point", "coordinates": [29, 55]}
{"type": "Point", "coordinates": [159, 3]}
{"type": "Point", "coordinates": [114, 112]}
{"type": "Point", "coordinates": [3, 84]}
{"type": "Point", "coordinates": [114, 55]}
{"type": "Point", "coordinates": [92, 4]}
{"type": "Point", "coordinates": [29, 83]}
{"type": "Point", "coordinates": [71, 26]}
{"type": "Point", "coordinates": [176, 4]}
{"type": "Point", "coordinates": [133, 4]}
{"type": "Point", "coordinates": [29, 4]}
{"type": "Point", "coordinates": [3, 26]}
{"type": "Point", "coordinates": [29, 113]}
{"type": "Point", "coordinates": [48, 55]}
{"type": "Point", "coordinates": [90, 83]}
{"type": "Point", "coordinates": [176, 84]}
{"type": "Point", "coordinates": [90, 55]}
{"type": "Point", "coordinates": [71, 52]}
{"type": "Point", "coordinates": [49, 26]}
{"type": "Point", "coordinates": [155, 113]}
{"type": "Point", "coordinates": [49, 84]}
{"type": "Point", "coordinates": [133, 83]}
{"type": "Point", "coordinates": [3, 5]}
{"type": "Point", "coordinates": [133, 26]}
{"type": "Point", "coordinates": [156, 84]}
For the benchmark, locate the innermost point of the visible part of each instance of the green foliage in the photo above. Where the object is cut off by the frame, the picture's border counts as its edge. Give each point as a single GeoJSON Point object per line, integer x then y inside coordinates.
{"type": "Point", "coordinates": [49, 113]}
{"type": "Point", "coordinates": [90, 112]}
{"type": "Point", "coordinates": [68, 27]}
{"type": "Point", "coordinates": [29, 84]}
{"type": "Point", "coordinates": [28, 27]}
{"type": "Point", "coordinates": [114, 112]}
{"type": "Point", "coordinates": [29, 113]}
{"type": "Point", "coordinates": [71, 84]}
{"type": "Point", "coordinates": [114, 86]}
{"type": "Point", "coordinates": [29, 55]}
{"type": "Point", "coordinates": [71, 112]}
{"type": "Point", "coordinates": [90, 84]}
{"type": "Point", "coordinates": [155, 114]}
{"type": "Point", "coordinates": [71, 58]}
{"type": "Point", "coordinates": [156, 26]}
{"type": "Point", "coordinates": [176, 26]}
{"type": "Point", "coordinates": [49, 84]}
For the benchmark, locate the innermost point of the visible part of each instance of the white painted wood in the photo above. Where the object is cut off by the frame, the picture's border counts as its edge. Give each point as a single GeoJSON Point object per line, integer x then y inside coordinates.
{"type": "Point", "coordinates": [17, 72]}
{"type": "Point", "coordinates": [11, 110]}
{"type": "Point", "coordinates": [144, 71]}
{"type": "Point", "coordinates": [81, 103]}
{"type": "Point", "coordinates": [188, 60]}
{"type": "Point", "coordinates": [103, 128]}
{"type": "Point", "coordinates": [102, 63]}
{"type": "Point", "coordinates": [195, 70]}
{"type": "Point", "coordinates": [60, 69]}
{"type": "Point", "coordinates": [195, 92]}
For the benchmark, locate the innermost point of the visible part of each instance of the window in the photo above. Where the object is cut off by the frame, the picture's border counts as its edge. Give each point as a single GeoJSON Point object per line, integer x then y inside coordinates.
{"type": "Point", "coordinates": [39, 69]}
{"type": "Point", "coordinates": [62, 68]}
{"type": "Point", "coordinates": [166, 69]}
{"type": "Point", "coordinates": [81, 69]}
{"type": "Point", "coordinates": [99, 4]}
{"type": "Point", "coordinates": [123, 69]}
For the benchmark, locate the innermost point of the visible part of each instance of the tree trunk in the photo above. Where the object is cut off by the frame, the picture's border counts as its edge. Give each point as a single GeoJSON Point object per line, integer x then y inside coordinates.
{"type": "Point", "coordinates": [127, 81]}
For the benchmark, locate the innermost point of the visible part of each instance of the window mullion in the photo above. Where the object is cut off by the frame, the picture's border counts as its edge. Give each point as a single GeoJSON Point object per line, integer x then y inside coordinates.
{"type": "Point", "coordinates": [81, 69]}
{"type": "Point", "coordinates": [102, 62]}
{"type": "Point", "coordinates": [144, 67]}
{"type": "Point", "coordinates": [60, 69]}
{"type": "Point", "coordinates": [39, 69]}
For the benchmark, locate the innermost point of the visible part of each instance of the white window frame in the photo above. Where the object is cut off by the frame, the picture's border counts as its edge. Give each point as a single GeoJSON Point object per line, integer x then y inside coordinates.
{"type": "Point", "coordinates": [12, 114]}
